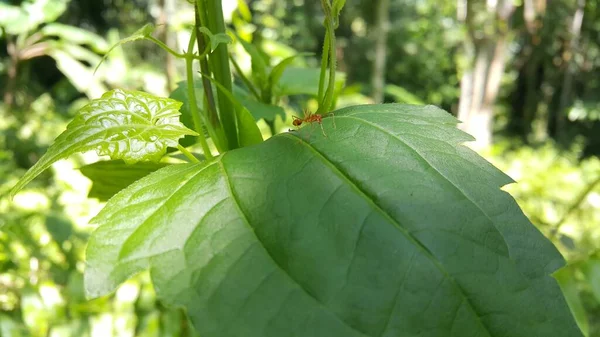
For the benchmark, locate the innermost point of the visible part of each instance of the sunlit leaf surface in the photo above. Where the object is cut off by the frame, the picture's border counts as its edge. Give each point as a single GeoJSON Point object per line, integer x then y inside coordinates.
{"type": "Point", "coordinates": [388, 226]}
{"type": "Point", "coordinates": [128, 125]}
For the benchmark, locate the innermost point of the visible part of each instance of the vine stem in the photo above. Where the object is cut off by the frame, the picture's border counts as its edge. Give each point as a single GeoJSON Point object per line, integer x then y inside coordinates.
{"type": "Point", "coordinates": [328, 58]}
{"type": "Point", "coordinates": [187, 153]}
{"type": "Point", "coordinates": [578, 201]}
{"type": "Point", "coordinates": [165, 47]}
{"type": "Point", "coordinates": [199, 126]}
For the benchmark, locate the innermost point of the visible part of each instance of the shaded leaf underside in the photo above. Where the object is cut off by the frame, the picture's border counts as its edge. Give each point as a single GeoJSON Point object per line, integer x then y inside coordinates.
{"type": "Point", "coordinates": [387, 227]}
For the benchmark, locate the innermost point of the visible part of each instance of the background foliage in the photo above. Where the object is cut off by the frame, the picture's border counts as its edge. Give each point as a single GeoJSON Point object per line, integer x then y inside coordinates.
{"type": "Point", "coordinates": [546, 125]}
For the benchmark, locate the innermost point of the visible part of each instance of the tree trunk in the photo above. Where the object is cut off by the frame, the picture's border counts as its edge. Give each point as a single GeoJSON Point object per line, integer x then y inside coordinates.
{"type": "Point", "coordinates": [480, 82]}
{"type": "Point", "coordinates": [382, 21]}
{"type": "Point", "coordinates": [567, 86]}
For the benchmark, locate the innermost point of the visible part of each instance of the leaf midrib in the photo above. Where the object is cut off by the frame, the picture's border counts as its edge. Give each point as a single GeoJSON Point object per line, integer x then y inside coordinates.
{"type": "Point", "coordinates": [285, 272]}
{"type": "Point", "coordinates": [408, 235]}
{"type": "Point", "coordinates": [454, 185]}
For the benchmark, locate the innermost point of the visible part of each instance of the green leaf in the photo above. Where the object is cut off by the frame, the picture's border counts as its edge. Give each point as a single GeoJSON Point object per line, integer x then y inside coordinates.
{"type": "Point", "coordinates": [261, 110]}
{"type": "Point", "coordinates": [18, 20]}
{"type": "Point", "coordinates": [59, 227]}
{"type": "Point", "coordinates": [592, 273]}
{"type": "Point", "coordinates": [215, 39]}
{"type": "Point", "coordinates": [259, 64]}
{"type": "Point", "coordinates": [402, 95]}
{"type": "Point", "coordinates": [386, 227]}
{"type": "Point", "coordinates": [278, 70]}
{"type": "Point", "coordinates": [128, 125]}
{"type": "Point", "coordinates": [80, 75]}
{"type": "Point", "coordinates": [303, 81]}
{"type": "Point", "coordinates": [111, 176]}
{"type": "Point", "coordinates": [181, 94]}
{"type": "Point", "coordinates": [248, 131]}
{"type": "Point", "coordinates": [568, 284]}
{"type": "Point", "coordinates": [75, 35]}
{"type": "Point", "coordinates": [244, 11]}
{"type": "Point", "coordinates": [140, 34]}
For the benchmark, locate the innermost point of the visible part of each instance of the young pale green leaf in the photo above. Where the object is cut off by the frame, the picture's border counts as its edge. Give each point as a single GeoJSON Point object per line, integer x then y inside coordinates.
{"type": "Point", "coordinates": [140, 34]}
{"type": "Point", "coordinates": [387, 227]}
{"type": "Point", "coordinates": [111, 176]}
{"type": "Point", "coordinates": [128, 125]}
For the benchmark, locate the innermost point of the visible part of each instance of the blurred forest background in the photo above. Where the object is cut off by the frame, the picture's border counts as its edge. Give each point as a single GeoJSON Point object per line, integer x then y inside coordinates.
{"type": "Point", "coordinates": [522, 75]}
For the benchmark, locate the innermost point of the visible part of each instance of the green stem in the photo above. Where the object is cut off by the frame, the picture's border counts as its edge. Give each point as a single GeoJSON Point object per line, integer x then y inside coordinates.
{"type": "Point", "coordinates": [188, 154]}
{"type": "Point", "coordinates": [324, 58]}
{"type": "Point", "coordinates": [199, 126]}
{"type": "Point", "coordinates": [326, 104]}
{"type": "Point", "coordinates": [578, 201]}
{"type": "Point", "coordinates": [211, 17]}
{"type": "Point", "coordinates": [332, 63]}
{"type": "Point", "coordinates": [165, 47]}
{"type": "Point", "coordinates": [245, 79]}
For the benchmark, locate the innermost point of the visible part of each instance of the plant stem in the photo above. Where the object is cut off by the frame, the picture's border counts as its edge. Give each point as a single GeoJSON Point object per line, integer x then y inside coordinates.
{"type": "Point", "coordinates": [210, 106]}
{"type": "Point", "coordinates": [165, 47]}
{"type": "Point", "coordinates": [187, 153]}
{"type": "Point", "coordinates": [199, 126]}
{"type": "Point", "coordinates": [325, 104]}
{"type": "Point", "coordinates": [210, 13]}
{"type": "Point", "coordinates": [245, 79]}
{"type": "Point", "coordinates": [578, 201]}
{"type": "Point", "coordinates": [324, 58]}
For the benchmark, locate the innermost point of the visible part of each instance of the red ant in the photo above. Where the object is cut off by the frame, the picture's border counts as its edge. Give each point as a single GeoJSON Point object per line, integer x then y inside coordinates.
{"type": "Point", "coordinates": [310, 117]}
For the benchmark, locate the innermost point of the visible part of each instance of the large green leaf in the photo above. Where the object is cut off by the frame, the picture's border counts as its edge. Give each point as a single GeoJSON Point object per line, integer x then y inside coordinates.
{"type": "Point", "coordinates": [129, 125]}
{"type": "Point", "coordinates": [111, 176]}
{"type": "Point", "coordinates": [386, 227]}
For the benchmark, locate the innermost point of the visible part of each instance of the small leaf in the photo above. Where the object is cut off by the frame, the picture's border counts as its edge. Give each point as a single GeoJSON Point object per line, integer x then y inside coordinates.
{"type": "Point", "coordinates": [139, 34]}
{"type": "Point", "coordinates": [215, 39]}
{"type": "Point", "coordinates": [128, 125]}
{"type": "Point", "coordinates": [111, 176]}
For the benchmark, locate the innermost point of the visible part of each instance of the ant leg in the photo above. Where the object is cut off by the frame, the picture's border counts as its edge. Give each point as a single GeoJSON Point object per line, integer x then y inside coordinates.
{"type": "Point", "coordinates": [333, 119]}
{"type": "Point", "coordinates": [323, 130]}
